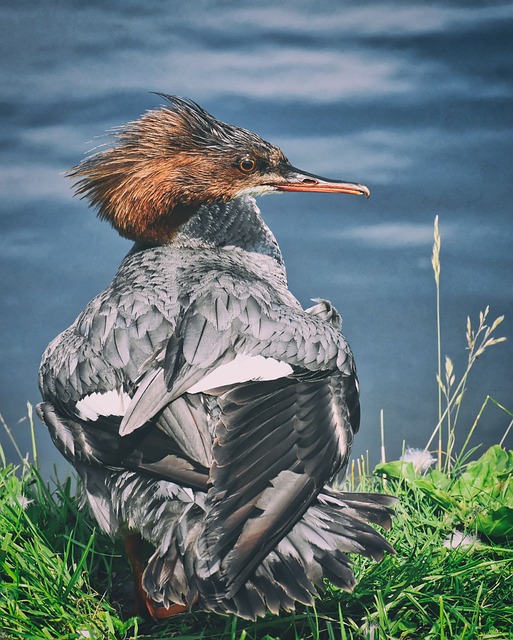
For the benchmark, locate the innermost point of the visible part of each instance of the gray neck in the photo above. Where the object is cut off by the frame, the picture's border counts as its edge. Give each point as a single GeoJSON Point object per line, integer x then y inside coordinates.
{"type": "Point", "coordinates": [237, 223]}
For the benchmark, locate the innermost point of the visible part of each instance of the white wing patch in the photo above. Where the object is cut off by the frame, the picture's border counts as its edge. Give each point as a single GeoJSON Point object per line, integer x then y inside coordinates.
{"type": "Point", "coordinates": [109, 403]}
{"type": "Point", "coordinates": [242, 369]}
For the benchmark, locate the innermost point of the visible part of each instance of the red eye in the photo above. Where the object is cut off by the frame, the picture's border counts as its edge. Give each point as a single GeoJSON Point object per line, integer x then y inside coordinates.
{"type": "Point", "coordinates": [247, 165]}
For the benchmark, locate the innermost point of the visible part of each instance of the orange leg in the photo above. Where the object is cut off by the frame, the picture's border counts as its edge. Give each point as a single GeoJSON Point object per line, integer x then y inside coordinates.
{"type": "Point", "coordinates": [142, 603]}
{"type": "Point", "coordinates": [161, 613]}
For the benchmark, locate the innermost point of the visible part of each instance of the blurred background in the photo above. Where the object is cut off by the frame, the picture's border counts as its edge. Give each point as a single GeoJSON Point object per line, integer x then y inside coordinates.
{"type": "Point", "coordinates": [414, 99]}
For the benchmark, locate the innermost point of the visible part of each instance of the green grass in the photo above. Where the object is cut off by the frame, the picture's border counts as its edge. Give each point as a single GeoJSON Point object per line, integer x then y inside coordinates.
{"type": "Point", "coordinates": [60, 578]}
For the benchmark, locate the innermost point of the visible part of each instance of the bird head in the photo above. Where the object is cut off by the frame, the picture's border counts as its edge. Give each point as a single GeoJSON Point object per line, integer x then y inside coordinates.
{"type": "Point", "coordinates": [178, 157]}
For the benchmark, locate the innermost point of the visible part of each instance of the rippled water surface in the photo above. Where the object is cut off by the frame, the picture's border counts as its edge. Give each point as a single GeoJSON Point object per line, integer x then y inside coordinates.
{"type": "Point", "coordinates": [413, 99]}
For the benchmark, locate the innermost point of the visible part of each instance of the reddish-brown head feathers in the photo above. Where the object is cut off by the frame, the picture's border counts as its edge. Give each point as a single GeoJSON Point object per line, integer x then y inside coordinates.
{"type": "Point", "coordinates": [166, 164]}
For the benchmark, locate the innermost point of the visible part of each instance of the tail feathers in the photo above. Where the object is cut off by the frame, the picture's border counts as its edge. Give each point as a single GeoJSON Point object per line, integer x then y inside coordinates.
{"type": "Point", "coordinates": [314, 550]}
{"type": "Point", "coordinates": [165, 580]}
{"type": "Point", "coordinates": [368, 507]}
{"type": "Point", "coordinates": [277, 584]}
{"type": "Point", "coordinates": [169, 575]}
{"type": "Point", "coordinates": [96, 495]}
{"type": "Point", "coordinates": [348, 534]}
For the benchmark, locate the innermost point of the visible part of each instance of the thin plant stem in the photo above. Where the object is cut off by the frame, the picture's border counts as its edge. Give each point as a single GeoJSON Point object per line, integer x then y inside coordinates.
{"type": "Point", "coordinates": [501, 443]}
{"type": "Point", "coordinates": [32, 434]}
{"type": "Point", "coordinates": [435, 261]}
{"type": "Point", "coordinates": [382, 429]}
{"type": "Point", "coordinates": [456, 396]}
{"type": "Point", "coordinates": [474, 425]}
{"type": "Point", "coordinates": [11, 438]}
{"type": "Point", "coordinates": [383, 450]}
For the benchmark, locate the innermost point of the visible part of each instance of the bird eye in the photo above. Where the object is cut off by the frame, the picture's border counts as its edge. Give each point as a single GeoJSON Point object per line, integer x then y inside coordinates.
{"type": "Point", "coordinates": [247, 165]}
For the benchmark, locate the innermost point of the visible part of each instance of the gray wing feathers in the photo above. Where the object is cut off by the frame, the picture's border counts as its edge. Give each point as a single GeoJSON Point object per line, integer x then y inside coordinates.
{"type": "Point", "coordinates": [151, 396]}
{"type": "Point", "coordinates": [218, 326]}
{"type": "Point", "coordinates": [194, 348]}
{"type": "Point", "coordinates": [276, 447]}
{"type": "Point", "coordinates": [117, 348]}
{"type": "Point", "coordinates": [184, 421]}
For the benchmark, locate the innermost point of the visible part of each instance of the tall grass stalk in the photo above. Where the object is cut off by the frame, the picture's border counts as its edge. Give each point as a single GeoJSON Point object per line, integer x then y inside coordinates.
{"type": "Point", "coordinates": [12, 439]}
{"type": "Point", "coordinates": [478, 341]}
{"type": "Point", "coordinates": [435, 262]}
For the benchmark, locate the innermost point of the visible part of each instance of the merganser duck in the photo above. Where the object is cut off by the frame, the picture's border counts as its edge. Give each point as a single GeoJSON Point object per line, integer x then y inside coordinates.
{"type": "Point", "coordinates": [204, 410]}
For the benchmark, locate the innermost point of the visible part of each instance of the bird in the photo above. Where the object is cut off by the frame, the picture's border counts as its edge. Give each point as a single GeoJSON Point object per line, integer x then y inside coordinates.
{"type": "Point", "coordinates": [204, 410]}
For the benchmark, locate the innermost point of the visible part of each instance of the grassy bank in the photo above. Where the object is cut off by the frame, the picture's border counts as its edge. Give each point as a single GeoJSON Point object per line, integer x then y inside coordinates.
{"type": "Point", "coordinates": [60, 578]}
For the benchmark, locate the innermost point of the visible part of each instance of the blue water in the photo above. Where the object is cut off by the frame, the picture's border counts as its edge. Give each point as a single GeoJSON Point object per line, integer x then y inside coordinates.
{"type": "Point", "coordinates": [413, 99]}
